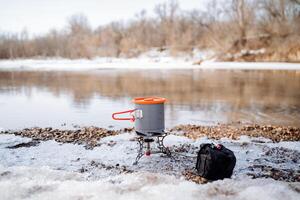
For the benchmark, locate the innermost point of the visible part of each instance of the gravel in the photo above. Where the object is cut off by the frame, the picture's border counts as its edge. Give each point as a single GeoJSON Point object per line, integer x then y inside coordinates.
{"type": "Point", "coordinates": [89, 136]}
{"type": "Point", "coordinates": [275, 133]}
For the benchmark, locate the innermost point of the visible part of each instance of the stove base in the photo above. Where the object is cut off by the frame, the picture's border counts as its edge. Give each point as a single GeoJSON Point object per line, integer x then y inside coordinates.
{"type": "Point", "coordinates": [144, 142]}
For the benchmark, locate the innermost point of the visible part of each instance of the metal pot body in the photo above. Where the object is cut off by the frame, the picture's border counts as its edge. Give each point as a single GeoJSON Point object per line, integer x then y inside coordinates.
{"type": "Point", "coordinates": [149, 119]}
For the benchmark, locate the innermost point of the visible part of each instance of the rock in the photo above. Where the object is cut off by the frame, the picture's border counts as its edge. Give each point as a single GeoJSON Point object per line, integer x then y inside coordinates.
{"type": "Point", "coordinates": [82, 170]}
{"type": "Point", "coordinates": [25, 144]}
{"type": "Point", "coordinates": [191, 176]}
{"type": "Point", "coordinates": [5, 173]}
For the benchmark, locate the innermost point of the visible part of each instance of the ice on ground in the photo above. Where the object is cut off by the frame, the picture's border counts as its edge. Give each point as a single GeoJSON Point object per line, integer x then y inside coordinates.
{"type": "Point", "coordinates": [69, 171]}
{"type": "Point", "coordinates": [250, 65]}
{"type": "Point", "coordinates": [287, 145]}
{"type": "Point", "coordinates": [115, 155]}
{"type": "Point", "coordinates": [97, 63]}
{"type": "Point", "coordinates": [148, 61]}
{"type": "Point", "coordinates": [11, 140]}
{"type": "Point", "coordinates": [44, 183]}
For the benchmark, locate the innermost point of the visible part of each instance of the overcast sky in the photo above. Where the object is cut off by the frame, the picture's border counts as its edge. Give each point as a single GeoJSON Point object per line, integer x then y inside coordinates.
{"type": "Point", "coordinates": [39, 16]}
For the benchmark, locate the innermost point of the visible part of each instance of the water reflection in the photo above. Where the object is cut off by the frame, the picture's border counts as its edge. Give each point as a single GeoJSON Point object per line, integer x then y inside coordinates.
{"type": "Point", "coordinates": [197, 96]}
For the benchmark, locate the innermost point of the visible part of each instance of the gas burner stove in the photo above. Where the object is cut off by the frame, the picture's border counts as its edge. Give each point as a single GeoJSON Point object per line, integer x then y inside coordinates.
{"type": "Point", "coordinates": [145, 149]}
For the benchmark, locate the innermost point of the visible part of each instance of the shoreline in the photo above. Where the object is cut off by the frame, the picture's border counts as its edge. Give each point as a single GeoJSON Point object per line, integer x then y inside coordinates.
{"type": "Point", "coordinates": [90, 136]}
{"type": "Point", "coordinates": [31, 154]}
{"type": "Point", "coordinates": [59, 64]}
{"type": "Point", "coordinates": [100, 153]}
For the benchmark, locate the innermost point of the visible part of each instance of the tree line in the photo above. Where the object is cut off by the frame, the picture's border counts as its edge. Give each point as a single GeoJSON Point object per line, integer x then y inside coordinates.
{"type": "Point", "coordinates": [233, 29]}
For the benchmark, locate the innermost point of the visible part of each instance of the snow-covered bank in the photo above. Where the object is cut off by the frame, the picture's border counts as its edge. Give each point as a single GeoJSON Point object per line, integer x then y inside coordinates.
{"type": "Point", "coordinates": [118, 152]}
{"type": "Point", "coordinates": [137, 63]}
{"type": "Point", "coordinates": [98, 63]}
{"type": "Point", "coordinates": [250, 65]}
{"type": "Point", "coordinates": [43, 183]}
{"type": "Point", "coordinates": [71, 171]}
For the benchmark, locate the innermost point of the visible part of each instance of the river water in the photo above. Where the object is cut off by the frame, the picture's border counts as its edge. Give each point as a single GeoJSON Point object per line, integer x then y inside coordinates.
{"type": "Point", "coordinates": [207, 97]}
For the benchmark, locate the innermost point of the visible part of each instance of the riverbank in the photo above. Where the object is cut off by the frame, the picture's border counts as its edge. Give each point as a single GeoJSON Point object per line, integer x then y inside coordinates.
{"type": "Point", "coordinates": [90, 136]}
{"type": "Point", "coordinates": [159, 62]}
{"type": "Point", "coordinates": [92, 157]}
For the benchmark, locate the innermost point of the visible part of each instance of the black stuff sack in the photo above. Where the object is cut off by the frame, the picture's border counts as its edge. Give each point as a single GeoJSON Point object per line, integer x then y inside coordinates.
{"type": "Point", "coordinates": [215, 162]}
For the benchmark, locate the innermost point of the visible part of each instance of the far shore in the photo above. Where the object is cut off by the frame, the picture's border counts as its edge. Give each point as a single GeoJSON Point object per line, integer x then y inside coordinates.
{"type": "Point", "coordinates": [61, 64]}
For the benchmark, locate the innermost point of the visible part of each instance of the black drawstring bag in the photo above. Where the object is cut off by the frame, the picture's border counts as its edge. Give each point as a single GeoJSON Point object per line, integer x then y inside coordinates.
{"type": "Point", "coordinates": [215, 162]}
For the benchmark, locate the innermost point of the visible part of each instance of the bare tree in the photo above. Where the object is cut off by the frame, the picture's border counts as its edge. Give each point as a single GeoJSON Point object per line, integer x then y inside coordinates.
{"type": "Point", "coordinates": [225, 26]}
{"type": "Point", "coordinates": [78, 23]}
{"type": "Point", "coordinates": [166, 14]}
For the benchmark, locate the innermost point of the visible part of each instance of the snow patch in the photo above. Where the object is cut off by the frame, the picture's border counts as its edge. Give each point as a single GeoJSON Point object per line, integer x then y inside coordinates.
{"type": "Point", "coordinates": [11, 140]}
{"type": "Point", "coordinates": [148, 61]}
{"type": "Point", "coordinates": [121, 151]}
{"type": "Point", "coordinates": [288, 145]}
{"type": "Point", "coordinates": [43, 183]}
{"type": "Point", "coordinates": [250, 65]}
{"type": "Point", "coordinates": [72, 172]}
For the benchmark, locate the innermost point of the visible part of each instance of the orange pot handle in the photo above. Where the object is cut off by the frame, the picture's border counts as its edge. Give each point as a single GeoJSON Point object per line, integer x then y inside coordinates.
{"type": "Point", "coordinates": [123, 112]}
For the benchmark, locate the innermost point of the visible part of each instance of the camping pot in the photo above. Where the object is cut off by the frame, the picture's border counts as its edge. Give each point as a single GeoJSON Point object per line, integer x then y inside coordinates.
{"type": "Point", "coordinates": [148, 116]}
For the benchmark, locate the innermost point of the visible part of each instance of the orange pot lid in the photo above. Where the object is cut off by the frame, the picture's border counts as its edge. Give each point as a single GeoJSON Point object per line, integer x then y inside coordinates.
{"type": "Point", "coordinates": [149, 100]}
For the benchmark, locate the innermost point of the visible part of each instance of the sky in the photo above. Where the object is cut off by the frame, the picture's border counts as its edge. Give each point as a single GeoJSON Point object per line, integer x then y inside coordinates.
{"type": "Point", "coordinates": [39, 16]}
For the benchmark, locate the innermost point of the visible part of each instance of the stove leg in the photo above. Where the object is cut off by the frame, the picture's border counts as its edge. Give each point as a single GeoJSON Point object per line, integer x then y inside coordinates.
{"type": "Point", "coordinates": [140, 151]}
{"type": "Point", "coordinates": [162, 147]}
